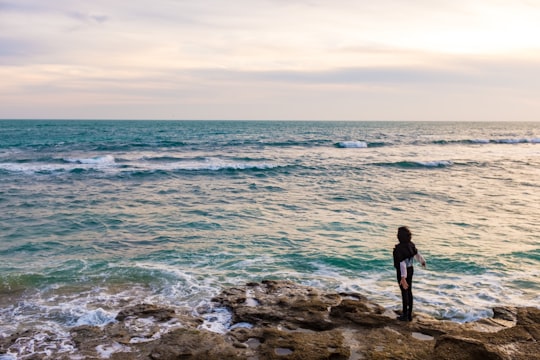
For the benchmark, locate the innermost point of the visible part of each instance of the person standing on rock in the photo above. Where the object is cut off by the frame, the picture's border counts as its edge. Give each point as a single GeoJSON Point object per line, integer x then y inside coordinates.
{"type": "Point", "coordinates": [404, 254]}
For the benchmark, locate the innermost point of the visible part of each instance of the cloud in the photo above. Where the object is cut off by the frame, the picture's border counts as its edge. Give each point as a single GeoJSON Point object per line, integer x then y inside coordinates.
{"type": "Point", "coordinates": [16, 49]}
{"type": "Point", "coordinates": [88, 18]}
{"type": "Point", "coordinates": [201, 56]}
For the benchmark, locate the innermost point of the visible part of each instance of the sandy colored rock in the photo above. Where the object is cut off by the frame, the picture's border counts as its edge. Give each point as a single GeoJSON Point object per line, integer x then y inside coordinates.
{"type": "Point", "coordinates": [192, 344]}
{"type": "Point", "coordinates": [291, 321]}
{"type": "Point", "coordinates": [144, 311]}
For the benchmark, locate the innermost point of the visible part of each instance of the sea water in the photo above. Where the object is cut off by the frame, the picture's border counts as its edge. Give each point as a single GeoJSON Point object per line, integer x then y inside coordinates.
{"type": "Point", "coordinates": [99, 215]}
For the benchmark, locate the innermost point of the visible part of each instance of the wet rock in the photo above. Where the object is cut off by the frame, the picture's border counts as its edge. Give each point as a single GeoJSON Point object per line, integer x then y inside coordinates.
{"type": "Point", "coordinates": [516, 342]}
{"type": "Point", "coordinates": [505, 313]}
{"type": "Point", "coordinates": [360, 312]}
{"type": "Point", "coordinates": [276, 344]}
{"type": "Point", "coordinates": [284, 320]}
{"type": "Point", "coordinates": [284, 302]}
{"type": "Point", "coordinates": [528, 316]}
{"type": "Point", "coordinates": [192, 344]}
{"type": "Point", "coordinates": [146, 310]}
{"type": "Point", "coordinates": [460, 348]}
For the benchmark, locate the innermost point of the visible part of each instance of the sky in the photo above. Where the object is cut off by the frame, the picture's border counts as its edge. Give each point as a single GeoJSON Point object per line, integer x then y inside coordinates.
{"type": "Point", "coordinates": [422, 60]}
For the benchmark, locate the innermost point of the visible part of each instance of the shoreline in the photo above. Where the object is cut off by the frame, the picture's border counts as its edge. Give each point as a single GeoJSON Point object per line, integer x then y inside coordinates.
{"type": "Point", "coordinates": [285, 320]}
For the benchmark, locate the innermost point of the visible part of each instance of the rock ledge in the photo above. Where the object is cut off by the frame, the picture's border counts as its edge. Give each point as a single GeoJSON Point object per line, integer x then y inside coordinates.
{"type": "Point", "coordinates": [284, 320]}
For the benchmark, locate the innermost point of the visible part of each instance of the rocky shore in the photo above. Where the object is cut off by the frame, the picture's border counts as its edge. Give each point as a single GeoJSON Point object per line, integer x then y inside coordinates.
{"type": "Point", "coordinates": [284, 320]}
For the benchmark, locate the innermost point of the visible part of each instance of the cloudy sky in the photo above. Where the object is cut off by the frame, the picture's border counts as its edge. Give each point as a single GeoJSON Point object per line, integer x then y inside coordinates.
{"type": "Point", "coordinates": [270, 59]}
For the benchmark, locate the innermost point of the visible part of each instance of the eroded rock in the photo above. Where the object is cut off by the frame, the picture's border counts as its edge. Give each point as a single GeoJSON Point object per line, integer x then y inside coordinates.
{"type": "Point", "coordinates": [284, 320]}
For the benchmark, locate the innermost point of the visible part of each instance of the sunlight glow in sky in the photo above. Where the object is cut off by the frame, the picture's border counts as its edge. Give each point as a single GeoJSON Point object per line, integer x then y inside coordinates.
{"type": "Point", "coordinates": [270, 59]}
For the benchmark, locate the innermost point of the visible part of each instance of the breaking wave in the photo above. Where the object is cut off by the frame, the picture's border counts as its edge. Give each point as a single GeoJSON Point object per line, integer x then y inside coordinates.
{"type": "Point", "coordinates": [352, 144]}
{"type": "Point", "coordinates": [417, 164]}
{"type": "Point", "coordinates": [489, 141]}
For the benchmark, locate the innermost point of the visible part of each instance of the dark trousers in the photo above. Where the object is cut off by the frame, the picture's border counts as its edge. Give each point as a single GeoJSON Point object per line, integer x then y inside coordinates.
{"type": "Point", "coordinates": [406, 295]}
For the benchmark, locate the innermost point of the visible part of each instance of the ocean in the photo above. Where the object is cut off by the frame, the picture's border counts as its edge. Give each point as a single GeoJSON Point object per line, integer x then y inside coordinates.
{"type": "Point", "coordinates": [99, 215]}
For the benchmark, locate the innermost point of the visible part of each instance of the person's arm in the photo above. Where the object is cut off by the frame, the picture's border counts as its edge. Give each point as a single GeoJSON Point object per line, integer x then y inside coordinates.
{"type": "Point", "coordinates": [420, 259]}
{"type": "Point", "coordinates": [403, 271]}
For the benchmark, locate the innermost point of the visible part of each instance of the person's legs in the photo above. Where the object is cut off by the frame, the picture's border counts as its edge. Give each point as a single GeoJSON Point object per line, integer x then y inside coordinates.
{"type": "Point", "coordinates": [405, 299]}
{"type": "Point", "coordinates": [410, 272]}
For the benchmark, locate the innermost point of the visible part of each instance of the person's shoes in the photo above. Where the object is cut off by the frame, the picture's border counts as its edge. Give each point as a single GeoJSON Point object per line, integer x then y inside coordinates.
{"type": "Point", "coordinates": [403, 318]}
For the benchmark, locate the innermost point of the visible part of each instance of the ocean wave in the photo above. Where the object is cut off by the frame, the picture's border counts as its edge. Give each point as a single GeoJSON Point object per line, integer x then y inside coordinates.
{"type": "Point", "coordinates": [213, 165]}
{"type": "Point", "coordinates": [417, 164]}
{"type": "Point", "coordinates": [352, 144]}
{"type": "Point", "coordinates": [165, 158]}
{"type": "Point", "coordinates": [483, 141]}
{"type": "Point", "coordinates": [514, 141]}
{"type": "Point", "coordinates": [108, 165]}
{"type": "Point", "coordinates": [96, 160]}
{"type": "Point", "coordinates": [198, 168]}
{"type": "Point", "coordinates": [214, 143]}
{"type": "Point", "coordinates": [55, 165]}
{"type": "Point", "coordinates": [293, 143]}
{"type": "Point", "coordinates": [171, 163]}
{"type": "Point", "coordinates": [34, 168]}
{"type": "Point", "coordinates": [166, 144]}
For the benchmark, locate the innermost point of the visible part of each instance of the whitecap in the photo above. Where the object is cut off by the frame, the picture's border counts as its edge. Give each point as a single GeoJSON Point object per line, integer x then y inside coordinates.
{"type": "Point", "coordinates": [218, 164]}
{"type": "Point", "coordinates": [107, 159]}
{"type": "Point", "coordinates": [32, 168]}
{"type": "Point", "coordinates": [353, 144]}
{"type": "Point", "coordinates": [70, 164]}
{"type": "Point", "coordinates": [439, 163]}
{"type": "Point", "coordinates": [511, 141]}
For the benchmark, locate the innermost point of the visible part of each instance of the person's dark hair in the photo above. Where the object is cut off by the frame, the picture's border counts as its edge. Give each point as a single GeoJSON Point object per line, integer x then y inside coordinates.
{"type": "Point", "coordinates": [404, 234]}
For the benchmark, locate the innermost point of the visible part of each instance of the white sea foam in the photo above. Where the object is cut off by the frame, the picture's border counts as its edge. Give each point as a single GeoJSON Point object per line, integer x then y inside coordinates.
{"type": "Point", "coordinates": [41, 342]}
{"type": "Point", "coordinates": [460, 297]}
{"type": "Point", "coordinates": [187, 289]}
{"type": "Point", "coordinates": [250, 299]}
{"type": "Point", "coordinates": [241, 325]}
{"type": "Point", "coordinates": [8, 356]}
{"type": "Point", "coordinates": [32, 168]}
{"type": "Point", "coordinates": [507, 141]}
{"type": "Point", "coordinates": [217, 320]}
{"type": "Point", "coordinates": [214, 164]}
{"type": "Point", "coordinates": [353, 144]}
{"type": "Point", "coordinates": [147, 329]}
{"type": "Point", "coordinates": [106, 351]}
{"type": "Point", "coordinates": [96, 160]}
{"type": "Point", "coordinates": [98, 317]}
{"type": "Point", "coordinates": [440, 163]}
{"type": "Point", "coordinates": [511, 141]}
{"type": "Point", "coordinates": [53, 316]}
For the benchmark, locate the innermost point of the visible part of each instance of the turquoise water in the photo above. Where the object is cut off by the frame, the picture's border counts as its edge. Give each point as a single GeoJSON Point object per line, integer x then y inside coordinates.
{"type": "Point", "coordinates": [96, 215]}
